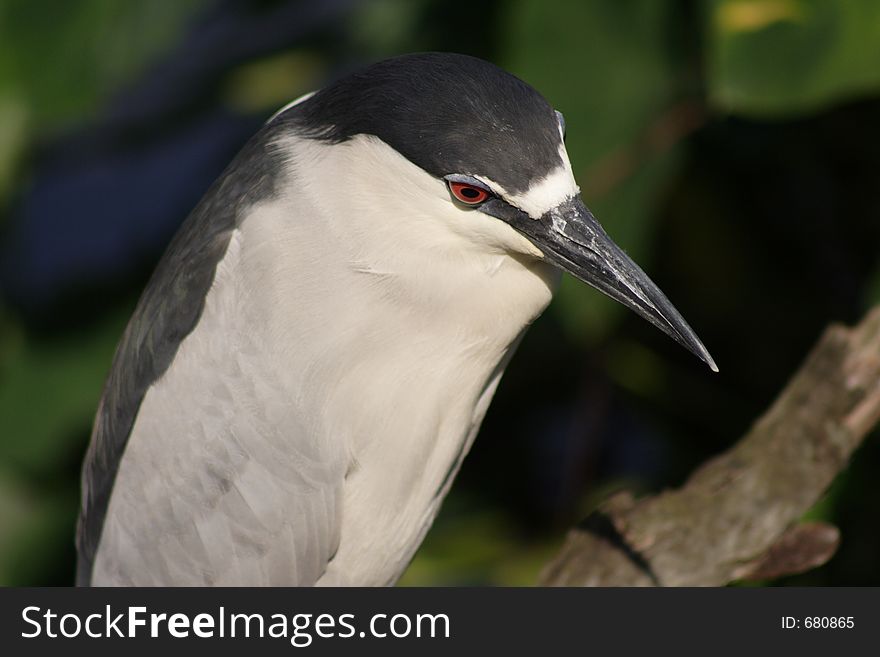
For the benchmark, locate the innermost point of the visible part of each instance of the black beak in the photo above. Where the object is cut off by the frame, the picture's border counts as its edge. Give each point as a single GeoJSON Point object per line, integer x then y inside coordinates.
{"type": "Point", "coordinates": [572, 239]}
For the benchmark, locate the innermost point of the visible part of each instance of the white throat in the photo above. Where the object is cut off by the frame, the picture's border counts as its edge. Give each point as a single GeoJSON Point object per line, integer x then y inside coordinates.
{"type": "Point", "coordinates": [428, 303]}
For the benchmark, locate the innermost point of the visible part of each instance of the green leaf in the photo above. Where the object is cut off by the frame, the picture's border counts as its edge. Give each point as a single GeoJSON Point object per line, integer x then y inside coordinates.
{"type": "Point", "coordinates": [781, 57]}
{"type": "Point", "coordinates": [36, 531]}
{"type": "Point", "coordinates": [13, 122]}
{"type": "Point", "coordinates": [49, 390]}
{"type": "Point", "coordinates": [63, 58]}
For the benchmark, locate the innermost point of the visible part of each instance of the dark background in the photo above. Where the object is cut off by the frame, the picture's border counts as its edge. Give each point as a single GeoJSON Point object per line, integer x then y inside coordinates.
{"type": "Point", "coordinates": [732, 147]}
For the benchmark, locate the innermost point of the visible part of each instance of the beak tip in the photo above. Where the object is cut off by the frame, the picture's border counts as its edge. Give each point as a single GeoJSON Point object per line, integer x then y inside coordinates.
{"type": "Point", "coordinates": [707, 358]}
{"type": "Point", "coordinates": [581, 247]}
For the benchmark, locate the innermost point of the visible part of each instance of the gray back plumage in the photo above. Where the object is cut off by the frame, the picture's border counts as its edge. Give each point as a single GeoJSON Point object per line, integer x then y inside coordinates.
{"type": "Point", "coordinates": [166, 313]}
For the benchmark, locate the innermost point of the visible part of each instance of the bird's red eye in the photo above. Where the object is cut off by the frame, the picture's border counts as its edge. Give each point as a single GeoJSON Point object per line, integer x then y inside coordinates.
{"type": "Point", "coordinates": [469, 194]}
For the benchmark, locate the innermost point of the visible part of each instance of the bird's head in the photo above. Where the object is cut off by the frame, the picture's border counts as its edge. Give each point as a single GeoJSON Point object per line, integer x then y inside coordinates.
{"type": "Point", "coordinates": [484, 153]}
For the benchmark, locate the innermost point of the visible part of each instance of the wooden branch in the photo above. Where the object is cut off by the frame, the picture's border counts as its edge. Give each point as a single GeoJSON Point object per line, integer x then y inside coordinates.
{"type": "Point", "coordinates": [737, 516]}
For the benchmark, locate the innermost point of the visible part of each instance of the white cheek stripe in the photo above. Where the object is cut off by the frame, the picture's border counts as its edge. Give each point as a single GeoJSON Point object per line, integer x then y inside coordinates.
{"type": "Point", "coordinates": [545, 194]}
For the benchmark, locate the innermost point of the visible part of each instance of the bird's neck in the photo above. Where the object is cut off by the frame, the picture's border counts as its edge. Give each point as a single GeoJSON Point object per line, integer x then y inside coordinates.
{"type": "Point", "coordinates": [410, 329]}
{"type": "Point", "coordinates": [390, 346]}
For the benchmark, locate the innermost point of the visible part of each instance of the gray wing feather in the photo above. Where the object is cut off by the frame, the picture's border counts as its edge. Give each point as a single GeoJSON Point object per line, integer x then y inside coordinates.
{"type": "Point", "coordinates": [166, 313]}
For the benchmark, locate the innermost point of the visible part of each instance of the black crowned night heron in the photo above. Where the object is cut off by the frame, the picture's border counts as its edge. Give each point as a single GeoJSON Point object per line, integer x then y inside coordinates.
{"type": "Point", "coordinates": [314, 354]}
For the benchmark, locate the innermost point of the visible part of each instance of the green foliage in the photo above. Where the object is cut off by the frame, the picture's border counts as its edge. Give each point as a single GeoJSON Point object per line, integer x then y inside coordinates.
{"type": "Point", "coordinates": [63, 58]}
{"type": "Point", "coordinates": [62, 378]}
{"type": "Point", "coordinates": [784, 57]}
{"type": "Point", "coordinates": [49, 389]}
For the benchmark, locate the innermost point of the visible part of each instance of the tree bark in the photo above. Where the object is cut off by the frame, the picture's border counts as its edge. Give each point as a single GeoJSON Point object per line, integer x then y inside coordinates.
{"type": "Point", "coordinates": [737, 516]}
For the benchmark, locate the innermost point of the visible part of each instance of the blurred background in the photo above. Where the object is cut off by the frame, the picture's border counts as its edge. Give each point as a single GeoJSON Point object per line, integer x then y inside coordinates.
{"type": "Point", "coordinates": [731, 146]}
